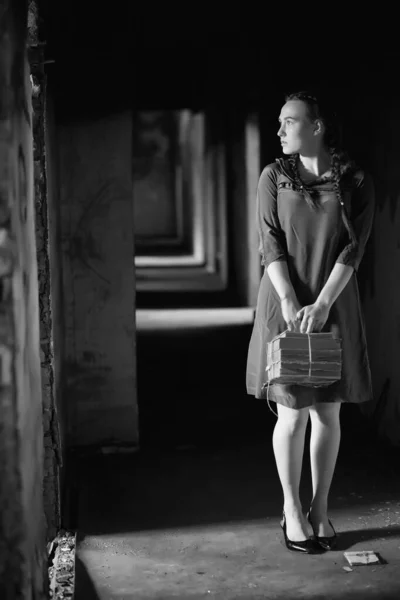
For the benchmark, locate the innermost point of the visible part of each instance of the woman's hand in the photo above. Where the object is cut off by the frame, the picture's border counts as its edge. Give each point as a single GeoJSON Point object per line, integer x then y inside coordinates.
{"type": "Point", "coordinates": [290, 309]}
{"type": "Point", "coordinates": [312, 318]}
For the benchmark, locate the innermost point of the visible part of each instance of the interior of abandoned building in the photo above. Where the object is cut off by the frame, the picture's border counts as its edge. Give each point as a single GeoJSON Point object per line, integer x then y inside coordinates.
{"type": "Point", "coordinates": [131, 147]}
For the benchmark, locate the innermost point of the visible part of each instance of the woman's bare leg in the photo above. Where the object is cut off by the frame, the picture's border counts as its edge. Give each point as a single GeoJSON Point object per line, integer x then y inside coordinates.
{"type": "Point", "coordinates": [324, 448]}
{"type": "Point", "coordinates": [288, 444]}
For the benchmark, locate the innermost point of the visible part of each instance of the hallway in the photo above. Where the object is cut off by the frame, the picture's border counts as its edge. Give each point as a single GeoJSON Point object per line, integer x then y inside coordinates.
{"type": "Point", "coordinates": [131, 149]}
{"type": "Point", "coordinates": [202, 522]}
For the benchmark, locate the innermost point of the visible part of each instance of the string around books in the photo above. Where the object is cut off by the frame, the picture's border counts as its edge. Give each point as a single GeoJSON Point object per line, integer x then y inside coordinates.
{"type": "Point", "coordinates": [270, 364]}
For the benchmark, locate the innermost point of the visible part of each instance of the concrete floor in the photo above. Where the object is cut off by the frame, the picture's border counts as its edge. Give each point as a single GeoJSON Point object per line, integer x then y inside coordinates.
{"type": "Point", "coordinates": [203, 522]}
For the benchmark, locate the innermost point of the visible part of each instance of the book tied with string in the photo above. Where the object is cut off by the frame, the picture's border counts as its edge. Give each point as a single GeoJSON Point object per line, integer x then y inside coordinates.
{"type": "Point", "coordinates": [313, 359]}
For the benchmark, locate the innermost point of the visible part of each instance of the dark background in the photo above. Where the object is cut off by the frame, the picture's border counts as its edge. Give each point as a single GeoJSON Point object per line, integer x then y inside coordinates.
{"type": "Point", "coordinates": [242, 57]}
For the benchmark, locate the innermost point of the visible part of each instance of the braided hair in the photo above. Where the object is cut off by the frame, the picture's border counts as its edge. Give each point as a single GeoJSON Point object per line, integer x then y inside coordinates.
{"type": "Point", "coordinates": [341, 164]}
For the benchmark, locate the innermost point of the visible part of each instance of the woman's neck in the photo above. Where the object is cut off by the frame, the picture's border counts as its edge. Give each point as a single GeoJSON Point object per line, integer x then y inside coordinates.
{"type": "Point", "coordinates": [315, 166]}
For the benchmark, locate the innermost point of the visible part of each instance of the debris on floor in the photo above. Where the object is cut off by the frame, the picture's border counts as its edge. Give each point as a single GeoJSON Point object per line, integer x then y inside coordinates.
{"type": "Point", "coordinates": [62, 570]}
{"type": "Point", "coordinates": [362, 557]}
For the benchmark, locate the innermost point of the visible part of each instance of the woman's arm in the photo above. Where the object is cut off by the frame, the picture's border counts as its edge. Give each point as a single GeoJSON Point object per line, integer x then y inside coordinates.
{"type": "Point", "coordinates": [272, 241]}
{"type": "Point", "coordinates": [337, 281]}
{"type": "Point", "coordinates": [314, 317]}
{"type": "Point", "coordinates": [273, 245]}
{"type": "Point", "coordinates": [278, 273]}
{"type": "Point", "coordinates": [361, 217]}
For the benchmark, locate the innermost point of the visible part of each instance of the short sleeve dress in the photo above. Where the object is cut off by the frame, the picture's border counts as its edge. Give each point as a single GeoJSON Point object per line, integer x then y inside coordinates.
{"type": "Point", "coordinates": [311, 240]}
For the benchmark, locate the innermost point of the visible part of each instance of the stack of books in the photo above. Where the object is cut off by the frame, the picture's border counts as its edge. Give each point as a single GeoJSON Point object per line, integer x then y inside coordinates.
{"type": "Point", "coordinates": [313, 359]}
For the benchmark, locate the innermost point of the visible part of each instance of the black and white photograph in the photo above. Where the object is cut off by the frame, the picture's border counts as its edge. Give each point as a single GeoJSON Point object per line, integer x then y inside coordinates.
{"type": "Point", "coordinates": [199, 301]}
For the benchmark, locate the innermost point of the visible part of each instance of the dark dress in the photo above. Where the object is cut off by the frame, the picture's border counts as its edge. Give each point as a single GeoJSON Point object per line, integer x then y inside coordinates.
{"type": "Point", "coordinates": [311, 240]}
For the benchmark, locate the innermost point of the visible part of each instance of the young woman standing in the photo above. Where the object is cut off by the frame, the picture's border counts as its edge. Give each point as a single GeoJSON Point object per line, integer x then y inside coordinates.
{"type": "Point", "coordinates": [315, 211]}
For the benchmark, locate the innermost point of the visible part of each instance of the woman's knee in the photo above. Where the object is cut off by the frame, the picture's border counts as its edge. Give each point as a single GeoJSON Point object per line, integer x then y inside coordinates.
{"type": "Point", "coordinates": [327, 413]}
{"type": "Point", "coordinates": [293, 419]}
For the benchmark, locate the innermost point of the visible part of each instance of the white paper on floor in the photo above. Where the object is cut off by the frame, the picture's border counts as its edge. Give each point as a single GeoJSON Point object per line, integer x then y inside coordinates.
{"type": "Point", "coordinates": [363, 557]}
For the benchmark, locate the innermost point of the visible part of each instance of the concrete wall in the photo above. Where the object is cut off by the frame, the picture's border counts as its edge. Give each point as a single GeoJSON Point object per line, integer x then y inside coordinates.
{"type": "Point", "coordinates": [51, 318]}
{"type": "Point", "coordinates": [95, 183]}
{"type": "Point", "coordinates": [22, 532]}
{"type": "Point", "coordinates": [60, 414]}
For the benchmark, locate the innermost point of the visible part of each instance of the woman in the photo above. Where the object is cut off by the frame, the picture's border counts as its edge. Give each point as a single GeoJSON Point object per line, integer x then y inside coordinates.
{"type": "Point", "coordinates": [315, 211]}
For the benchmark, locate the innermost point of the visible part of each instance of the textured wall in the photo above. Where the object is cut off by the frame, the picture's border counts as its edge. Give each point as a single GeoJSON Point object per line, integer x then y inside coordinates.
{"type": "Point", "coordinates": [98, 272]}
{"type": "Point", "coordinates": [22, 535]}
{"type": "Point", "coordinates": [49, 306]}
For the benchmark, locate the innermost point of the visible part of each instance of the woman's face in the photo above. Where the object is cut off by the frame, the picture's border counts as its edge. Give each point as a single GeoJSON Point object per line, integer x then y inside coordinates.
{"type": "Point", "coordinates": [297, 133]}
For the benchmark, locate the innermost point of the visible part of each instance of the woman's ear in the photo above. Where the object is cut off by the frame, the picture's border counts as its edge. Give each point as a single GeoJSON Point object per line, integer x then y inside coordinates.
{"type": "Point", "coordinates": [318, 127]}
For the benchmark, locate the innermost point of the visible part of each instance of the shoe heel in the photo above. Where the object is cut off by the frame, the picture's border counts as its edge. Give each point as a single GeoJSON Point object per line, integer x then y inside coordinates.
{"type": "Point", "coordinates": [327, 543]}
{"type": "Point", "coordinates": [305, 546]}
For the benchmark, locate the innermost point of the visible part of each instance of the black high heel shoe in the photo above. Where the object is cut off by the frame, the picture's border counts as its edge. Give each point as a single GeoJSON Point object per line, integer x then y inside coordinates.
{"type": "Point", "coordinates": [327, 543]}
{"type": "Point", "coordinates": [306, 546]}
